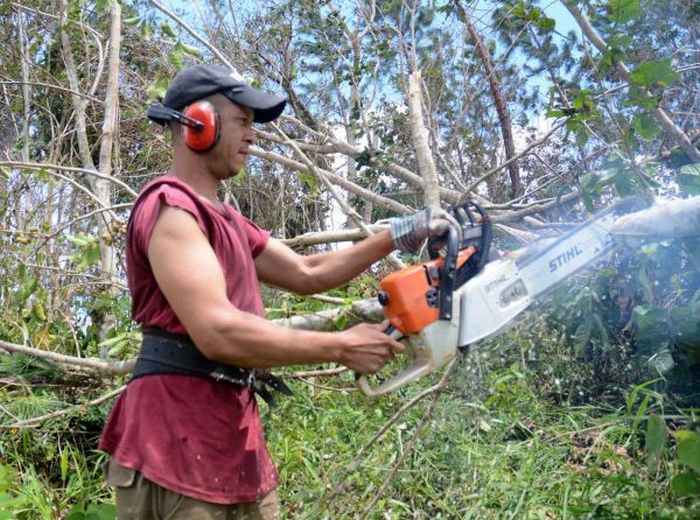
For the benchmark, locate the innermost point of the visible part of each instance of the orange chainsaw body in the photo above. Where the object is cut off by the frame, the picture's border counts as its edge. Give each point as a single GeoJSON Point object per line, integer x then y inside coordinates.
{"type": "Point", "coordinates": [405, 293]}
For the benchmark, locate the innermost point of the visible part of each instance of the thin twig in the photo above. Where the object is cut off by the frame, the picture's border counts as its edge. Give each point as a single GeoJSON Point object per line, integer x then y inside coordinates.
{"type": "Point", "coordinates": [380, 433]}
{"type": "Point", "coordinates": [193, 33]}
{"type": "Point", "coordinates": [56, 87]}
{"type": "Point", "coordinates": [409, 445]}
{"type": "Point", "coordinates": [65, 411]}
{"type": "Point", "coordinates": [73, 169]}
{"type": "Point", "coordinates": [514, 158]}
{"type": "Point", "coordinates": [316, 373]}
{"type": "Point", "coordinates": [330, 388]}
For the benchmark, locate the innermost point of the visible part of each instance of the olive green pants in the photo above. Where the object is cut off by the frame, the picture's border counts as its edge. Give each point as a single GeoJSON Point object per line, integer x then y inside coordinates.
{"type": "Point", "coordinates": [141, 499]}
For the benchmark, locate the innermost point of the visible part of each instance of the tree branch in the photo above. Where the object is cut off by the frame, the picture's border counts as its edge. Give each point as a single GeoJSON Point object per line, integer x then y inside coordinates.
{"type": "Point", "coordinates": [501, 109]}
{"type": "Point", "coordinates": [193, 33]}
{"type": "Point", "coordinates": [419, 135]}
{"type": "Point", "coordinates": [673, 130]}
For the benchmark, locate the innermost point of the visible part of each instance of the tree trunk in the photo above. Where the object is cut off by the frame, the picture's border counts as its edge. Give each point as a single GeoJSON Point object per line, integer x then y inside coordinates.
{"type": "Point", "coordinates": [501, 109]}
{"type": "Point", "coordinates": [419, 134]}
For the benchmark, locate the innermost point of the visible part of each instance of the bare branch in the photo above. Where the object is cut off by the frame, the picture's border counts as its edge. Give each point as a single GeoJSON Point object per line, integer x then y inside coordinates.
{"type": "Point", "coordinates": [501, 109]}
{"type": "Point", "coordinates": [194, 34]}
{"type": "Point", "coordinates": [419, 134]}
{"type": "Point", "coordinates": [60, 167]}
{"type": "Point", "coordinates": [35, 421]}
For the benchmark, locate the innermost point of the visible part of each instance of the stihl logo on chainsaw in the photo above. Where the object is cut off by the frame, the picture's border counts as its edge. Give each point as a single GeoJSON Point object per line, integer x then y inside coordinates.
{"type": "Point", "coordinates": [564, 258]}
{"type": "Point", "coordinates": [492, 285]}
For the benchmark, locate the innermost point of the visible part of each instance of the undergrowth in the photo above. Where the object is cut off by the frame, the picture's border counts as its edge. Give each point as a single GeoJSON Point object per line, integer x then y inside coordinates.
{"type": "Point", "coordinates": [523, 430]}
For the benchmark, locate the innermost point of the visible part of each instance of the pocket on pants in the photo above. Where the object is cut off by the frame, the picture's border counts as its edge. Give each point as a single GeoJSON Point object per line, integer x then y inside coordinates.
{"type": "Point", "coordinates": [118, 476]}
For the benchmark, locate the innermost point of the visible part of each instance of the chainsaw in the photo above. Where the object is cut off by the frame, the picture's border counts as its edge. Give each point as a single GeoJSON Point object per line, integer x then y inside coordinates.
{"type": "Point", "coordinates": [460, 297]}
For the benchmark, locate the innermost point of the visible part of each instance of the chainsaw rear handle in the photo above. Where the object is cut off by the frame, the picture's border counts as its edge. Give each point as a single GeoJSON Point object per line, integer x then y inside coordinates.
{"type": "Point", "coordinates": [429, 350]}
{"type": "Point", "coordinates": [419, 368]}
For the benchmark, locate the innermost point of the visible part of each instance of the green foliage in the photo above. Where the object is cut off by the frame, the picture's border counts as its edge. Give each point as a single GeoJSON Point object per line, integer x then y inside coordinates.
{"type": "Point", "coordinates": [645, 125]}
{"type": "Point", "coordinates": [92, 512]}
{"type": "Point", "coordinates": [157, 89]}
{"type": "Point", "coordinates": [652, 74]}
{"type": "Point", "coordinates": [688, 179]}
{"type": "Point", "coordinates": [88, 253]}
{"type": "Point", "coordinates": [9, 502]}
{"type": "Point", "coordinates": [687, 483]}
{"type": "Point", "coordinates": [622, 11]}
{"type": "Point", "coordinates": [499, 440]}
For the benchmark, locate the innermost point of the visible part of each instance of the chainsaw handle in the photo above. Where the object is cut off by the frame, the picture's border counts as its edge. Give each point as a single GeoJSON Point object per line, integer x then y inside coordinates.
{"type": "Point", "coordinates": [425, 360]}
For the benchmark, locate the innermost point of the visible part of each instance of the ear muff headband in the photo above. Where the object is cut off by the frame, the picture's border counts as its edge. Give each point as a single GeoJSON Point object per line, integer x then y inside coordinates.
{"type": "Point", "coordinates": [207, 135]}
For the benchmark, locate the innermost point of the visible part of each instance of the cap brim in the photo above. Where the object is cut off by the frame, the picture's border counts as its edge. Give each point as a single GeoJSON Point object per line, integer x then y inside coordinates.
{"type": "Point", "coordinates": [266, 107]}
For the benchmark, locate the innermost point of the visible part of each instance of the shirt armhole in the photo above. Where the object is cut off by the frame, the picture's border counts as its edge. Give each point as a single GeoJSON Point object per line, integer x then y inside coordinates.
{"type": "Point", "coordinates": [257, 237]}
{"type": "Point", "coordinates": [149, 212]}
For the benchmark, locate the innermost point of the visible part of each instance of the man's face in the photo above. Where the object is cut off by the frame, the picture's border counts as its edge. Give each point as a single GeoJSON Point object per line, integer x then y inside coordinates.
{"type": "Point", "coordinates": [237, 135]}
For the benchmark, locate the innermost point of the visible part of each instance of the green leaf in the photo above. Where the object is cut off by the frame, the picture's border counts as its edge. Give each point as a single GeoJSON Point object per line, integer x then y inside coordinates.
{"type": "Point", "coordinates": [103, 6]}
{"type": "Point", "coordinates": [38, 312]}
{"type": "Point", "coordinates": [622, 11]}
{"type": "Point", "coordinates": [582, 336]}
{"type": "Point", "coordinates": [625, 182]}
{"type": "Point", "coordinates": [685, 485]}
{"type": "Point", "coordinates": [645, 125]}
{"type": "Point", "coordinates": [157, 89]}
{"type": "Point", "coordinates": [177, 56]}
{"type": "Point", "coordinates": [688, 449]}
{"type": "Point", "coordinates": [554, 112]}
{"type": "Point", "coordinates": [190, 50]}
{"type": "Point", "coordinates": [546, 24]}
{"type": "Point", "coordinates": [309, 180]}
{"type": "Point", "coordinates": [101, 512]}
{"type": "Point", "coordinates": [4, 172]}
{"type": "Point", "coordinates": [64, 464]}
{"type": "Point", "coordinates": [688, 179]}
{"type": "Point", "coordinates": [655, 441]}
{"type": "Point", "coordinates": [659, 73]}
{"type": "Point", "coordinates": [167, 30]}
{"type": "Point", "coordinates": [88, 250]}
{"type": "Point", "coordinates": [652, 334]}
{"type": "Point", "coordinates": [685, 324]}
{"type": "Point", "coordinates": [146, 30]}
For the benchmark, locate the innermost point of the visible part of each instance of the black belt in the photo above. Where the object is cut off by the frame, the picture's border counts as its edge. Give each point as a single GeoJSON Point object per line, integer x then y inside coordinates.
{"type": "Point", "coordinates": [164, 352]}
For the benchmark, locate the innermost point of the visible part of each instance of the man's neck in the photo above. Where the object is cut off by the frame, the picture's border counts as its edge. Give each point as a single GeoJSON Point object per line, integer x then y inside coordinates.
{"type": "Point", "coordinates": [192, 171]}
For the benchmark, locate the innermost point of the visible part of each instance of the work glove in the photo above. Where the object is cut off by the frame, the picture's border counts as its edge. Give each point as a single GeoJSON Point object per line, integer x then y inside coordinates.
{"type": "Point", "coordinates": [409, 232]}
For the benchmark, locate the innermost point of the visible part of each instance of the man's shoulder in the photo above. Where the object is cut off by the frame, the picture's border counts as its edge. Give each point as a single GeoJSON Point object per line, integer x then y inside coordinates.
{"type": "Point", "coordinates": [165, 183]}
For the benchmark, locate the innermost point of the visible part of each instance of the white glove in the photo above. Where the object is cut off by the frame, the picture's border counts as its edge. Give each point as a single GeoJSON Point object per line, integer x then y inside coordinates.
{"type": "Point", "coordinates": [409, 232]}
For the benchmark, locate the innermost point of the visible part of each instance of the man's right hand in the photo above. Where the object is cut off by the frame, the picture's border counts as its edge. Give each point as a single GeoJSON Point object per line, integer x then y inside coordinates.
{"type": "Point", "coordinates": [366, 348]}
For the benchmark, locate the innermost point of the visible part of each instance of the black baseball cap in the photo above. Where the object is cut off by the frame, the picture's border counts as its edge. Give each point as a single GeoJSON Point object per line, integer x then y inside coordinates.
{"type": "Point", "coordinates": [199, 81]}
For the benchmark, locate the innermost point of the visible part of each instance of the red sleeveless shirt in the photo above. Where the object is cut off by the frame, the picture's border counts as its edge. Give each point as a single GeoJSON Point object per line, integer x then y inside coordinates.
{"type": "Point", "coordinates": [196, 436]}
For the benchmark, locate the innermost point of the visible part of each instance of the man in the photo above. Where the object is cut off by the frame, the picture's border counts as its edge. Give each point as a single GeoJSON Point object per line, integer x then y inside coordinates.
{"type": "Point", "coordinates": [185, 437]}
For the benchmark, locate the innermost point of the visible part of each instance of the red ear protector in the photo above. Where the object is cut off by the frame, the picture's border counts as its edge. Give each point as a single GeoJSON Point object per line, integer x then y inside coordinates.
{"type": "Point", "coordinates": [201, 127]}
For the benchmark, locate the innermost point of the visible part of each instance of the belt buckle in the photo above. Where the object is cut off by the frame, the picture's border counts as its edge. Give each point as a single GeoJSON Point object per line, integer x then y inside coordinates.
{"type": "Point", "coordinates": [250, 380]}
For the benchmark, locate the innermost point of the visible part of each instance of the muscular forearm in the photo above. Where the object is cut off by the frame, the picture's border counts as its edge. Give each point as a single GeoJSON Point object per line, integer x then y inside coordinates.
{"type": "Point", "coordinates": [334, 268]}
{"type": "Point", "coordinates": [242, 339]}
{"type": "Point", "coordinates": [245, 340]}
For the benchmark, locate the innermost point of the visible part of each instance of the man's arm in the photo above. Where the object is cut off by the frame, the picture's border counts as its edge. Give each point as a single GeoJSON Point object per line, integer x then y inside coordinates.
{"type": "Point", "coordinates": [189, 274]}
{"type": "Point", "coordinates": [280, 266]}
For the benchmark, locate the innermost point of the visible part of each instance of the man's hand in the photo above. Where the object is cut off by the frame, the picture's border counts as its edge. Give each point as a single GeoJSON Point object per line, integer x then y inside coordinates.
{"type": "Point", "coordinates": [367, 348]}
{"type": "Point", "coordinates": [409, 232]}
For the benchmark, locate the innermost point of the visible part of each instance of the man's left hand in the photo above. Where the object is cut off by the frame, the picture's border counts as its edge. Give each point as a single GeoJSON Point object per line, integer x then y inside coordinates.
{"type": "Point", "coordinates": [409, 232]}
